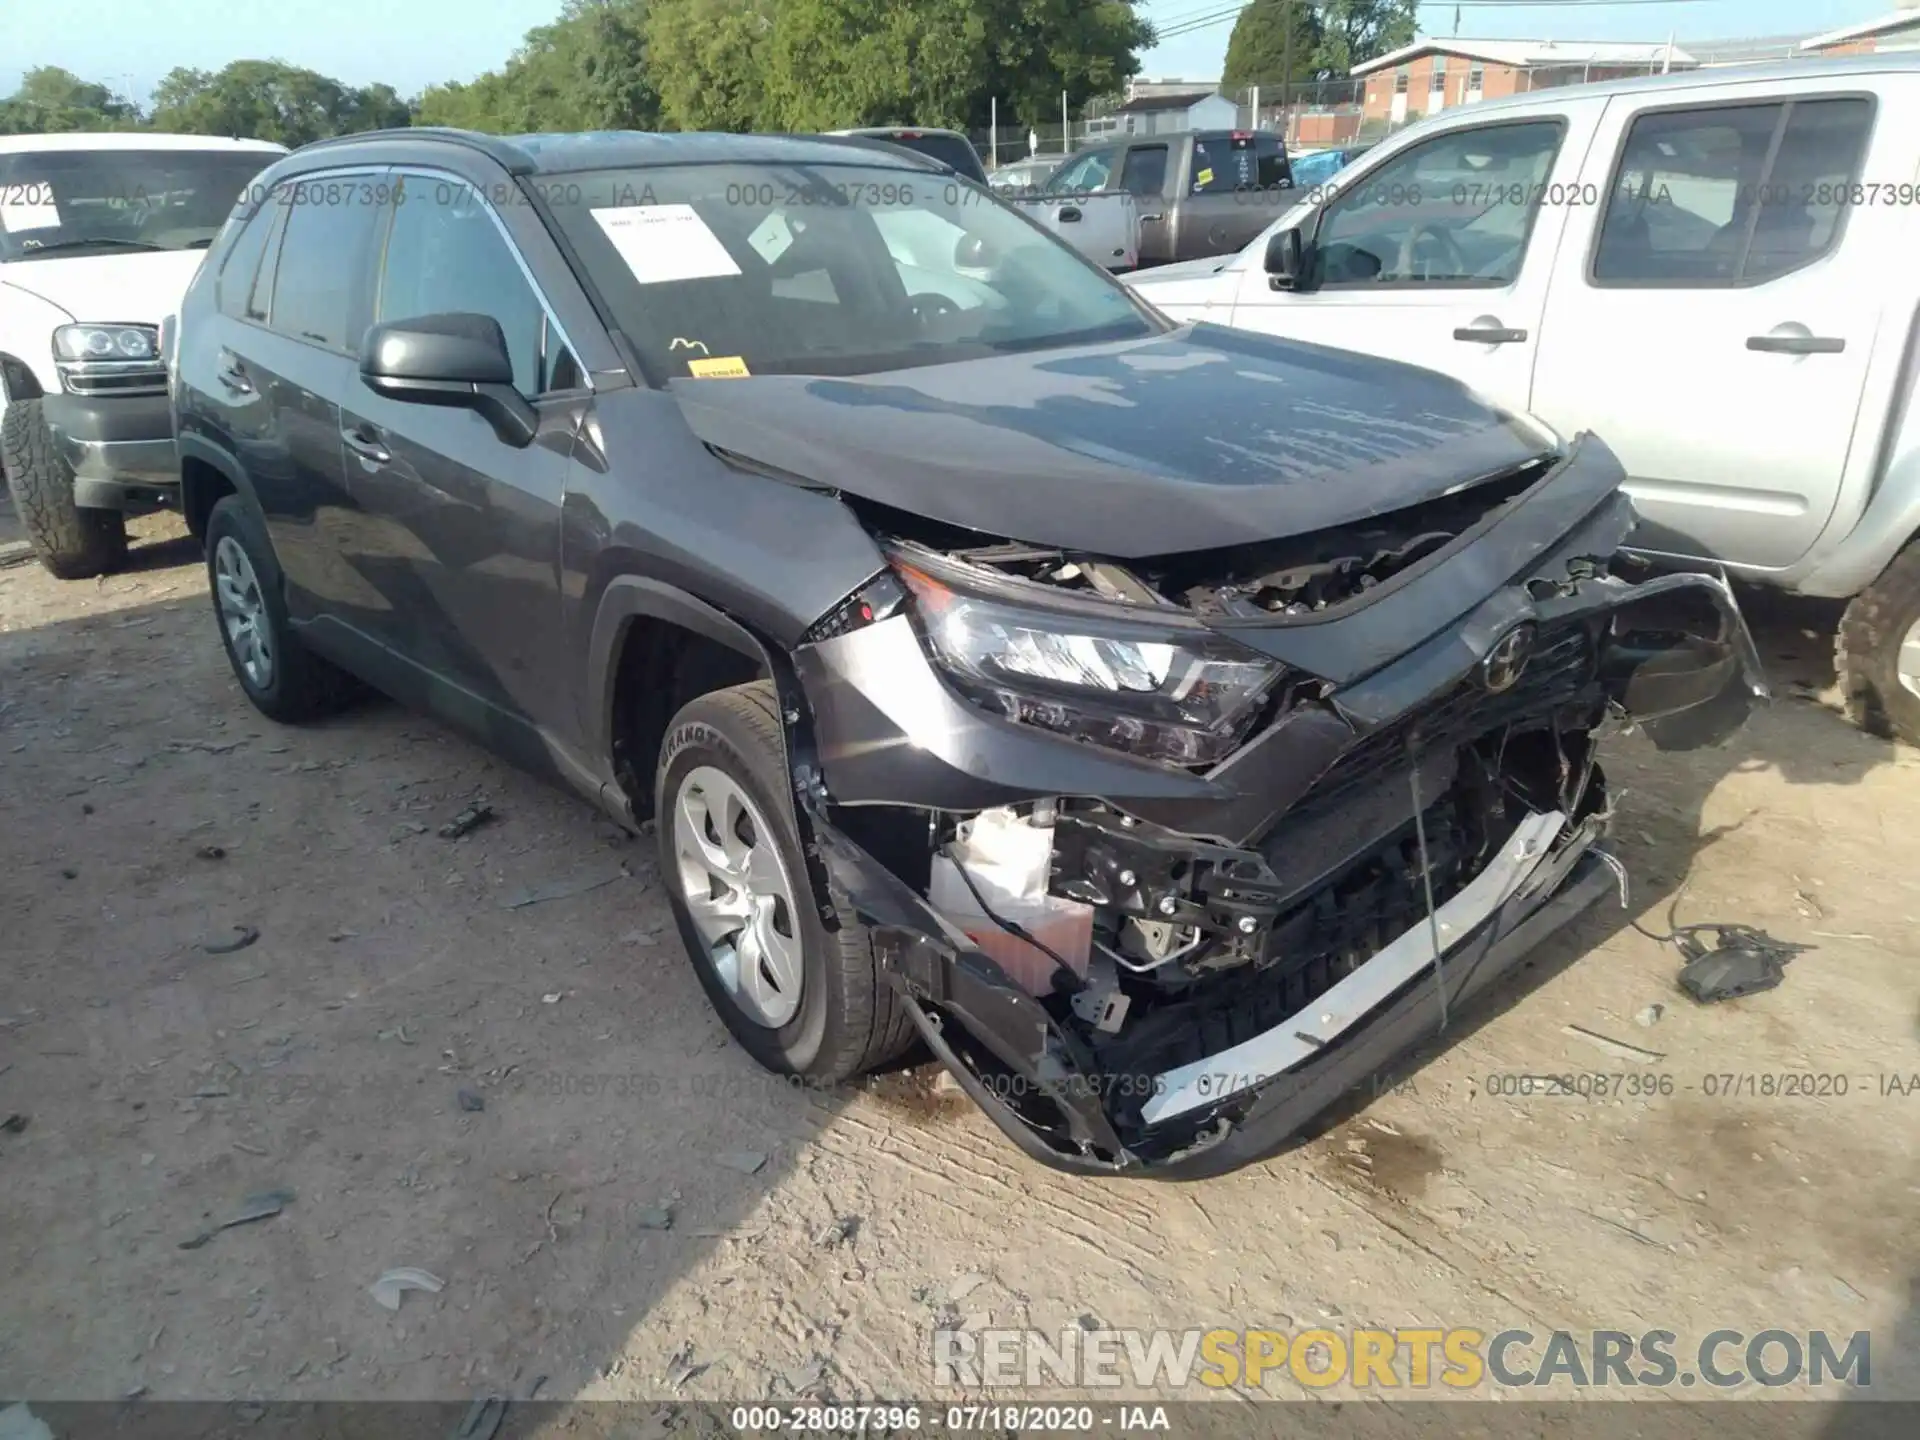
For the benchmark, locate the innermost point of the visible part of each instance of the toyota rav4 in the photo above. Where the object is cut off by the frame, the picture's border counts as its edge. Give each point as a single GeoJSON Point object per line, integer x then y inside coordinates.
{"type": "Point", "coordinates": [1167, 726]}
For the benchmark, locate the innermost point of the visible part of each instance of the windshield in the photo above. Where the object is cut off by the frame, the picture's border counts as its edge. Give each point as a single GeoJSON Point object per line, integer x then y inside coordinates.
{"type": "Point", "coordinates": [827, 269]}
{"type": "Point", "coordinates": [65, 201]}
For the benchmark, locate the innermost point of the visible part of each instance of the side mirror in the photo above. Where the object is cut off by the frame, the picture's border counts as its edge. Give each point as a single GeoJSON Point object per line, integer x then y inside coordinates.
{"type": "Point", "coordinates": [1286, 260]}
{"type": "Point", "coordinates": [456, 359]}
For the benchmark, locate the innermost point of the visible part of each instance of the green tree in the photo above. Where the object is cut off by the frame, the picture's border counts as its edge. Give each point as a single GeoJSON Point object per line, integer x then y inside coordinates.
{"type": "Point", "coordinates": [1355, 31]}
{"type": "Point", "coordinates": [54, 100]}
{"type": "Point", "coordinates": [271, 100]}
{"type": "Point", "coordinates": [1260, 51]}
{"type": "Point", "coordinates": [588, 70]}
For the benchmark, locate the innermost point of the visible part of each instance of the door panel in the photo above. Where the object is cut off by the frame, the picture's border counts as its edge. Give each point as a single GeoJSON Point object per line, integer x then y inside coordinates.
{"type": "Point", "coordinates": [460, 535]}
{"type": "Point", "coordinates": [1715, 322]}
{"type": "Point", "coordinates": [1439, 254]}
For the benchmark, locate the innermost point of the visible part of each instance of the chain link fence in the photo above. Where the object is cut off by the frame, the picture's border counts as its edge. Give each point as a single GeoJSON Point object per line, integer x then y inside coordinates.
{"type": "Point", "coordinates": [1323, 114]}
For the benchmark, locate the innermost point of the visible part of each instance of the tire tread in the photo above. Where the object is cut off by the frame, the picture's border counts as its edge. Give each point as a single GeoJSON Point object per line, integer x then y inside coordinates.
{"type": "Point", "coordinates": [72, 543]}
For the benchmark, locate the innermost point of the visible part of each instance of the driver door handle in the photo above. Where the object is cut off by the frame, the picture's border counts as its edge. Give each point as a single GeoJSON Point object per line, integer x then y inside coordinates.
{"type": "Point", "coordinates": [1796, 344]}
{"type": "Point", "coordinates": [1068, 214]}
{"type": "Point", "coordinates": [363, 442]}
{"type": "Point", "coordinates": [230, 374]}
{"type": "Point", "coordinates": [1489, 335]}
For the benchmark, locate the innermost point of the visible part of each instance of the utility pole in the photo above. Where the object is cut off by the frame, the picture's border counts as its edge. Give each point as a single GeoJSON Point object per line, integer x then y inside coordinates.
{"type": "Point", "coordinates": [993, 131]}
{"type": "Point", "coordinates": [1066, 126]}
{"type": "Point", "coordinates": [1286, 75]}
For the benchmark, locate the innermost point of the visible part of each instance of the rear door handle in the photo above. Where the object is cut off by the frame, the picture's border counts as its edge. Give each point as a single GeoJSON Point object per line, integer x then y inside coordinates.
{"type": "Point", "coordinates": [1147, 219]}
{"type": "Point", "coordinates": [1068, 215]}
{"type": "Point", "coordinates": [1489, 335]}
{"type": "Point", "coordinates": [364, 443]}
{"type": "Point", "coordinates": [1796, 344]}
{"type": "Point", "coordinates": [230, 374]}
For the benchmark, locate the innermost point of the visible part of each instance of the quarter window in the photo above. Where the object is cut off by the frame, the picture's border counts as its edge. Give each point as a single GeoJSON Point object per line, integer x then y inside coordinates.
{"type": "Point", "coordinates": [242, 265]}
{"type": "Point", "coordinates": [1731, 195]}
{"type": "Point", "coordinates": [445, 255]}
{"type": "Point", "coordinates": [319, 291]}
{"type": "Point", "coordinates": [1456, 210]}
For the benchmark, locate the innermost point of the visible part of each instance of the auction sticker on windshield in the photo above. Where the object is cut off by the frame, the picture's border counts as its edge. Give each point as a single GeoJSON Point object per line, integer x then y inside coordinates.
{"type": "Point", "coordinates": [28, 207]}
{"type": "Point", "coordinates": [665, 242]}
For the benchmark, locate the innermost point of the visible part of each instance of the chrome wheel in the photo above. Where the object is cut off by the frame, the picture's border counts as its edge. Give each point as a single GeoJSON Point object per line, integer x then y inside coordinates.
{"type": "Point", "coordinates": [243, 612]}
{"type": "Point", "coordinates": [736, 887]}
{"type": "Point", "coordinates": [1907, 665]}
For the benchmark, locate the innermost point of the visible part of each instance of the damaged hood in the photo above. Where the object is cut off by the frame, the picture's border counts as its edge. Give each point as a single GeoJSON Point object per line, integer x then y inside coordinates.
{"type": "Point", "coordinates": [1193, 440]}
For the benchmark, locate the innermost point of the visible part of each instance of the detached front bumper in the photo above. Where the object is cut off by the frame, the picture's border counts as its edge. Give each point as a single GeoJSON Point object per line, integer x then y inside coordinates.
{"type": "Point", "coordinates": [120, 448]}
{"type": "Point", "coordinates": [1521, 632]}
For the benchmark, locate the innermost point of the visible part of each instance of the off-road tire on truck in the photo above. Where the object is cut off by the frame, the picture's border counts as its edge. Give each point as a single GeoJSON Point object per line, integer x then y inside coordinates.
{"type": "Point", "coordinates": [850, 1017]}
{"type": "Point", "coordinates": [1867, 653]}
{"type": "Point", "coordinates": [300, 685]}
{"type": "Point", "coordinates": [73, 543]}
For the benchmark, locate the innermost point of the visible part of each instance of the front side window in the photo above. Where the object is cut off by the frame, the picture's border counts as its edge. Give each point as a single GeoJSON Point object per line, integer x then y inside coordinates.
{"type": "Point", "coordinates": [319, 288]}
{"type": "Point", "coordinates": [827, 269]}
{"type": "Point", "coordinates": [445, 255]}
{"type": "Point", "coordinates": [1088, 172]}
{"type": "Point", "coordinates": [1730, 195]}
{"type": "Point", "coordinates": [1455, 210]}
{"type": "Point", "coordinates": [76, 202]}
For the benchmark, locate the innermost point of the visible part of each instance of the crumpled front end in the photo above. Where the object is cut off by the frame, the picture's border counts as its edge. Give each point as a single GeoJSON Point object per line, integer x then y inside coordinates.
{"type": "Point", "coordinates": [1325, 793]}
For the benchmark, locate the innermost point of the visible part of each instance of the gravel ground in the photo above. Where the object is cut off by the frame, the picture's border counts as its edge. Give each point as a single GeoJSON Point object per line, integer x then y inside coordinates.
{"type": "Point", "coordinates": [624, 1204]}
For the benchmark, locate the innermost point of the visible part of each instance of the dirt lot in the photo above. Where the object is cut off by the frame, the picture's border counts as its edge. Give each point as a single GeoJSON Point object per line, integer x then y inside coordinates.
{"type": "Point", "coordinates": [146, 812]}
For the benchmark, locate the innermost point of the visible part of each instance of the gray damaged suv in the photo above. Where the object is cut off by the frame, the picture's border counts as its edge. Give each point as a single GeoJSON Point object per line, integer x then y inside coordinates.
{"type": "Point", "coordinates": [1167, 726]}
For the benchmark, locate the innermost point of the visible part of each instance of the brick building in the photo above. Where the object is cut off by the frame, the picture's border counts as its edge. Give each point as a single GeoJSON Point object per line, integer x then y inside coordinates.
{"type": "Point", "coordinates": [1430, 75]}
{"type": "Point", "coordinates": [1898, 31]}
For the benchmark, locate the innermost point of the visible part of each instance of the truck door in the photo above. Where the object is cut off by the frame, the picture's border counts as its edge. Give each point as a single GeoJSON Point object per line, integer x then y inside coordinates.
{"type": "Point", "coordinates": [1714, 317]}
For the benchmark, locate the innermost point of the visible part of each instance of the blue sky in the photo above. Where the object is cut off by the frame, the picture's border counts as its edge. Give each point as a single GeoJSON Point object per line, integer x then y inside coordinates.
{"type": "Point", "coordinates": [130, 44]}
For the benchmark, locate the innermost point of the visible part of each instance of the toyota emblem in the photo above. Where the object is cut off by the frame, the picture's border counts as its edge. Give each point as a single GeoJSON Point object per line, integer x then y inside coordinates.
{"type": "Point", "coordinates": [1507, 660]}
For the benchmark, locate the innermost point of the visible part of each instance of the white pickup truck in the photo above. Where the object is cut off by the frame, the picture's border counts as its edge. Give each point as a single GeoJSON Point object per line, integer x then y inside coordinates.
{"type": "Point", "coordinates": [1714, 271]}
{"type": "Point", "coordinates": [99, 237]}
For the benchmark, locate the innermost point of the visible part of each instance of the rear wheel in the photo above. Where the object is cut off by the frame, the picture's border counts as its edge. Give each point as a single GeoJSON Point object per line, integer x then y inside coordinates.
{"type": "Point", "coordinates": [284, 680]}
{"type": "Point", "coordinates": [801, 992]}
{"type": "Point", "coordinates": [72, 543]}
{"type": "Point", "coordinates": [1878, 652]}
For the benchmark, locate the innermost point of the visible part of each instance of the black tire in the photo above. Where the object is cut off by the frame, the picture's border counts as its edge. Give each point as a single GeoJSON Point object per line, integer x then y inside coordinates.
{"type": "Point", "coordinates": [72, 543]}
{"type": "Point", "coordinates": [300, 684]}
{"type": "Point", "coordinates": [1867, 652]}
{"type": "Point", "coordinates": [850, 1017]}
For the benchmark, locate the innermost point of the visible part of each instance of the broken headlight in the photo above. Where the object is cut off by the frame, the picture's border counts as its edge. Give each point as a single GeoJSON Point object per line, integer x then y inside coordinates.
{"type": "Point", "coordinates": [1162, 690]}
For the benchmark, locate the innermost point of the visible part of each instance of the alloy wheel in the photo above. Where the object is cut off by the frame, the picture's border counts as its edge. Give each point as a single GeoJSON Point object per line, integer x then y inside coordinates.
{"type": "Point", "coordinates": [735, 885]}
{"type": "Point", "coordinates": [243, 612]}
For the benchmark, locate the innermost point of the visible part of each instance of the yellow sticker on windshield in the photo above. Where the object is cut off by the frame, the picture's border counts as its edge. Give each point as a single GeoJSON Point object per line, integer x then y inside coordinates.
{"type": "Point", "coordinates": [724, 367]}
{"type": "Point", "coordinates": [1205, 177]}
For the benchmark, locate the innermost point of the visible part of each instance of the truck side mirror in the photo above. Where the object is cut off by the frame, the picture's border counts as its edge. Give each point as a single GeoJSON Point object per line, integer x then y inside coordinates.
{"type": "Point", "coordinates": [1286, 259]}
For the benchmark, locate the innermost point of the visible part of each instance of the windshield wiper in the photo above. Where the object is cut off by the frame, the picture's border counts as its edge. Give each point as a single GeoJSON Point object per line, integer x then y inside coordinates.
{"type": "Point", "coordinates": [52, 245]}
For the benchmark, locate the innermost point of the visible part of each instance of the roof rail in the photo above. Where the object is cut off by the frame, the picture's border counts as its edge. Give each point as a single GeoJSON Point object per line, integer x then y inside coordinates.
{"type": "Point", "coordinates": [509, 155]}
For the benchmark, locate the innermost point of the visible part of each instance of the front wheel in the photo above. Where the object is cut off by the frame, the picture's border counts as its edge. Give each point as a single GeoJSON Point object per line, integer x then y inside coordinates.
{"type": "Point", "coordinates": [801, 990]}
{"type": "Point", "coordinates": [72, 543]}
{"type": "Point", "coordinates": [1878, 652]}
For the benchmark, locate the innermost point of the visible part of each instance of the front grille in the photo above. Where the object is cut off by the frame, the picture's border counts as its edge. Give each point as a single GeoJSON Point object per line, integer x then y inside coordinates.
{"type": "Point", "coordinates": [1560, 668]}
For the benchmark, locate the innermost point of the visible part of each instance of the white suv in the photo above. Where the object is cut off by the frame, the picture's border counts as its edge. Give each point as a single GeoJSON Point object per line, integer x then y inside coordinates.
{"type": "Point", "coordinates": [1713, 271]}
{"type": "Point", "coordinates": [99, 235]}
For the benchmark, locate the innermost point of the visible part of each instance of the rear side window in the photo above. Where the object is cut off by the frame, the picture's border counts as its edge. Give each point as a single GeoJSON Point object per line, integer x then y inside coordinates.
{"type": "Point", "coordinates": [242, 264]}
{"type": "Point", "coordinates": [445, 254]}
{"type": "Point", "coordinates": [319, 292]}
{"type": "Point", "coordinates": [1225, 163]}
{"type": "Point", "coordinates": [1731, 195]}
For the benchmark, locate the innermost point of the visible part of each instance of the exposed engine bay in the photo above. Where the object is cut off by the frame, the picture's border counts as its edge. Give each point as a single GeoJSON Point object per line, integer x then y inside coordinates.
{"type": "Point", "coordinates": [1277, 793]}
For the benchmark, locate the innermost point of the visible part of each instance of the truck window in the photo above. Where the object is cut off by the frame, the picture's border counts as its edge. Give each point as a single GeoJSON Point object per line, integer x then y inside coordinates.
{"type": "Point", "coordinates": [1730, 195]}
{"type": "Point", "coordinates": [1455, 210]}
{"type": "Point", "coordinates": [1084, 172]}
{"type": "Point", "coordinates": [1271, 158]}
{"type": "Point", "coordinates": [1224, 163]}
{"type": "Point", "coordinates": [1145, 170]}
